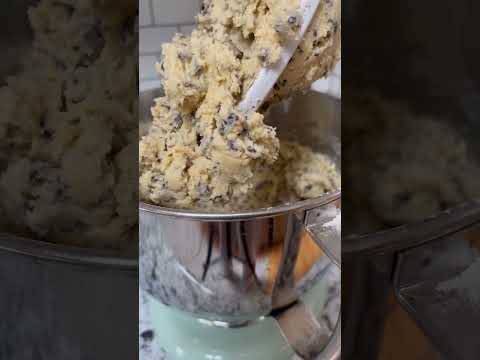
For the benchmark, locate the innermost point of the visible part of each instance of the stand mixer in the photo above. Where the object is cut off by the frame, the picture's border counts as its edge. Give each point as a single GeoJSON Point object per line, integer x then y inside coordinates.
{"type": "Point", "coordinates": [409, 291]}
{"type": "Point", "coordinates": [249, 284]}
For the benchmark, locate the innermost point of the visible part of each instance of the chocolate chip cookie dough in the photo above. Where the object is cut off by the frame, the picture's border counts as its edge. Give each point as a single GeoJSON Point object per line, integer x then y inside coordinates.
{"type": "Point", "coordinates": [202, 153]}
{"type": "Point", "coordinates": [69, 127]}
{"type": "Point", "coordinates": [402, 166]}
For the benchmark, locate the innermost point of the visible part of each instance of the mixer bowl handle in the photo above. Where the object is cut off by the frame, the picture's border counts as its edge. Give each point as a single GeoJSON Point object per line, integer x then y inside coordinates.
{"type": "Point", "coordinates": [324, 226]}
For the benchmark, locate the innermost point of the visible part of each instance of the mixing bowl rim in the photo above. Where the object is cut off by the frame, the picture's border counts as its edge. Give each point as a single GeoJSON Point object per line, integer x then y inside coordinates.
{"type": "Point", "coordinates": [406, 236]}
{"type": "Point", "coordinates": [195, 215]}
{"type": "Point", "coordinates": [267, 212]}
{"type": "Point", "coordinates": [67, 254]}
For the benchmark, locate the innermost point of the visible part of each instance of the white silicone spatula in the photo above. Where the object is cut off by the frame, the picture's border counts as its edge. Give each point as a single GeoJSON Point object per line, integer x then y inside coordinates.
{"type": "Point", "coordinates": [268, 76]}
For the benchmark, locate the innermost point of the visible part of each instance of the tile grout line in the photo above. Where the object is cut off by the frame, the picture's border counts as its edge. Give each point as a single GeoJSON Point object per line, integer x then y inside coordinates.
{"type": "Point", "coordinates": [151, 53]}
{"type": "Point", "coordinates": [162, 26]}
{"type": "Point", "coordinates": [150, 9]}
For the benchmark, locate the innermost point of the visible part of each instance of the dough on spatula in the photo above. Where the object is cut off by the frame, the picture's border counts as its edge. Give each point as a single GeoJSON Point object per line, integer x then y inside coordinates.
{"type": "Point", "coordinates": [202, 153]}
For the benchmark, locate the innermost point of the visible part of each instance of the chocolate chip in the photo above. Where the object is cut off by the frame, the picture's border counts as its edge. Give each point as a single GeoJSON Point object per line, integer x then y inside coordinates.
{"type": "Point", "coordinates": [231, 119]}
{"type": "Point", "coordinates": [178, 121]}
{"type": "Point", "coordinates": [217, 198]}
{"type": "Point", "coordinates": [128, 30]}
{"type": "Point", "coordinates": [63, 99]}
{"type": "Point", "coordinates": [205, 8]}
{"type": "Point", "coordinates": [147, 335]}
{"type": "Point", "coordinates": [293, 21]}
{"type": "Point", "coordinates": [444, 205]}
{"type": "Point", "coordinates": [199, 139]}
{"type": "Point", "coordinates": [95, 40]}
{"type": "Point", "coordinates": [403, 197]}
{"type": "Point", "coordinates": [264, 55]}
{"type": "Point", "coordinates": [203, 189]}
{"type": "Point", "coordinates": [265, 106]}
{"type": "Point", "coordinates": [228, 123]}
{"type": "Point", "coordinates": [29, 207]}
{"type": "Point", "coordinates": [47, 134]}
{"type": "Point", "coordinates": [198, 70]}
{"type": "Point", "coordinates": [184, 55]}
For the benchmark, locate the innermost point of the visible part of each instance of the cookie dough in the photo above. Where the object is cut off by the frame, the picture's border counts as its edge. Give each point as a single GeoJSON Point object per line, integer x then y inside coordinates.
{"type": "Point", "coordinates": [202, 153]}
{"type": "Point", "coordinates": [69, 127]}
{"type": "Point", "coordinates": [401, 166]}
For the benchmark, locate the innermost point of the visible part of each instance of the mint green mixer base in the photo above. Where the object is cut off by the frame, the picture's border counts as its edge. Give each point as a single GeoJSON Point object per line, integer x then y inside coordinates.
{"type": "Point", "coordinates": [184, 337]}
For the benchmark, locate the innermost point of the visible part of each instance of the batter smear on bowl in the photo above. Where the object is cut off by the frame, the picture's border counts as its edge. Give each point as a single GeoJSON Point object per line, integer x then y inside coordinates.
{"type": "Point", "coordinates": [200, 152]}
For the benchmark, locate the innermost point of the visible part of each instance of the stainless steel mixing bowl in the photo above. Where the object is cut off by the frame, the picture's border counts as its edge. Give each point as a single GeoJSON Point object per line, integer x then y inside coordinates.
{"type": "Point", "coordinates": [237, 267]}
{"type": "Point", "coordinates": [59, 302]}
{"type": "Point", "coordinates": [405, 266]}
{"type": "Point", "coordinates": [221, 266]}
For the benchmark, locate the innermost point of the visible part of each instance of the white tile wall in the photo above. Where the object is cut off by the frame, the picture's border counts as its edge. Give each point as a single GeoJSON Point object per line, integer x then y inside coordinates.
{"type": "Point", "coordinates": [167, 12]}
{"type": "Point", "coordinates": [147, 67]}
{"type": "Point", "coordinates": [145, 14]}
{"type": "Point", "coordinates": [152, 38]}
{"type": "Point", "coordinates": [159, 21]}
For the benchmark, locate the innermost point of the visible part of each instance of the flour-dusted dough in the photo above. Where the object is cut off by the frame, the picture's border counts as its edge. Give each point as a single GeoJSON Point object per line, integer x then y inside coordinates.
{"type": "Point", "coordinates": [68, 153]}
{"type": "Point", "coordinates": [202, 153]}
